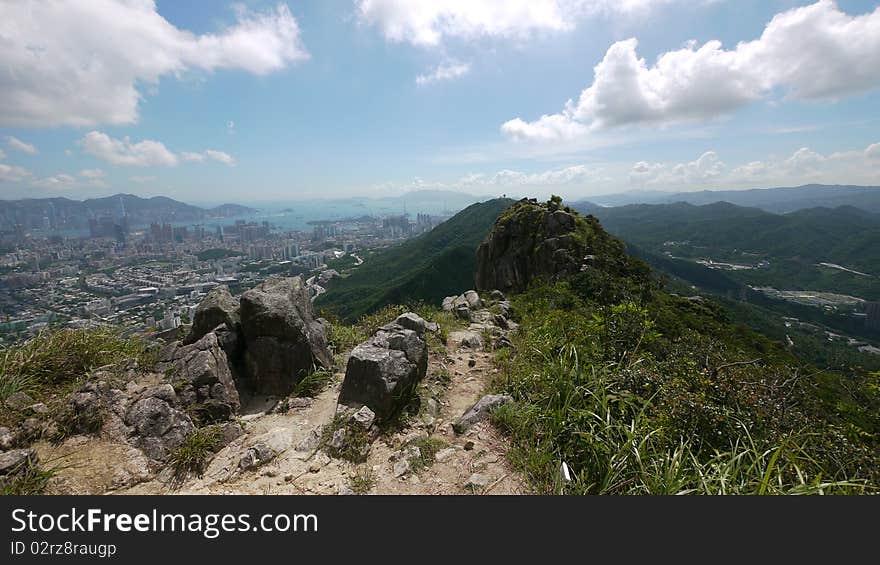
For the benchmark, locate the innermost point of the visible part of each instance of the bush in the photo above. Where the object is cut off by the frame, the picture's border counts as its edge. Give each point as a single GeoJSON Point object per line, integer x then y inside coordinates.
{"type": "Point", "coordinates": [191, 457]}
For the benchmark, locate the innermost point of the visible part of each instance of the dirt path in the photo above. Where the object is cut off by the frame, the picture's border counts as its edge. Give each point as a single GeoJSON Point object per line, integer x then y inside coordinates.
{"type": "Point", "coordinates": [477, 456]}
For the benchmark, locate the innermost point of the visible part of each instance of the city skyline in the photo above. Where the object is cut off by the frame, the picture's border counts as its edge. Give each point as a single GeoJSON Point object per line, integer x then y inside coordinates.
{"type": "Point", "coordinates": [261, 101]}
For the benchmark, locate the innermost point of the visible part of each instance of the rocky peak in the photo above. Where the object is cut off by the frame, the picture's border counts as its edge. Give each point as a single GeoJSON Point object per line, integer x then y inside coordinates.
{"type": "Point", "coordinates": [533, 240]}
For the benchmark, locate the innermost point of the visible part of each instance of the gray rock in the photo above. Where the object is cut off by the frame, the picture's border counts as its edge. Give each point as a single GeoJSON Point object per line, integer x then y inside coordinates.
{"type": "Point", "coordinates": [12, 462]}
{"type": "Point", "coordinates": [401, 467]}
{"type": "Point", "coordinates": [255, 456]}
{"type": "Point", "coordinates": [496, 295]}
{"type": "Point", "coordinates": [384, 370]}
{"type": "Point", "coordinates": [310, 442]}
{"type": "Point", "coordinates": [471, 340]}
{"type": "Point", "coordinates": [298, 402]}
{"type": "Point", "coordinates": [462, 311]}
{"type": "Point", "coordinates": [7, 438]}
{"type": "Point", "coordinates": [19, 401]}
{"type": "Point", "coordinates": [411, 321]}
{"type": "Point", "coordinates": [345, 491]}
{"type": "Point", "coordinates": [364, 417]}
{"type": "Point", "coordinates": [229, 432]}
{"type": "Point", "coordinates": [283, 340]}
{"type": "Point", "coordinates": [477, 481]}
{"type": "Point", "coordinates": [480, 411]}
{"type": "Point", "coordinates": [157, 427]}
{"type": "Point", "coordinates": [445, 455]}
{"type": "Point", "coordinates": [201, 372]}
{"type": "Point", "coordinates": [447, 304]}
{"type": "Point", "coordinates": [218, 307]}
{"type": "Point", "coordinates": [473, 300]}
{"type": "Point", "coordinates": [337, 442]}
{"type": "Point", "coordinates": [432, 407]}
{"type": "Point", "coordinates": [39, 408]}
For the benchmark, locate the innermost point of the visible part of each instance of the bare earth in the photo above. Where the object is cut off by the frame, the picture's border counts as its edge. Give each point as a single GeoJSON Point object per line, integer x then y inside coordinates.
{"type": "Point", "coordinates": [90, 465]}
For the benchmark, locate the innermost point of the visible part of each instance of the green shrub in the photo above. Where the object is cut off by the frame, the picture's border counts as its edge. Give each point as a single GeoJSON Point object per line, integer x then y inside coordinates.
{"type": "Point", "coordinates": [191, 457]}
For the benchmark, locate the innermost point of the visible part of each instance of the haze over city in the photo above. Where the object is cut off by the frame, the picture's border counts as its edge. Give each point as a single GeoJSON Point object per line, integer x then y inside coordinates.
{"type": "Point", "coordinates": [256, 101]}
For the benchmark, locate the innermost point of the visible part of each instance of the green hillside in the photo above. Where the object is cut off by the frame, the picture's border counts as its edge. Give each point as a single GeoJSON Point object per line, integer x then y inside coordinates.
{"type": "Point", "coordinates": [429, 267]}
{"type": "Point", "coordinates": [792, 244]}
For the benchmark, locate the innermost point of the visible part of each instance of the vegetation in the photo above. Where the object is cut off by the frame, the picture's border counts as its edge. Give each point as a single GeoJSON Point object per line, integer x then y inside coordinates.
{"type": "Point", "coordinates": [191, 457]}
{"type": "Point", "coordinates": [362, 481]}
{"type": "Point", "coordinates": [63, 357]}
{"type": "Point", "coordinates": [428, 448]}
{"type": "Point", "coordinates": [31, 478]}
{"type": "Point", "coordinates": [616, 391]}
{"type": "Point", "coordinates": [429, 267]}
{"type": "Point", "coordinates": [356, 443]}
{"type": "Point", "coordinates": [313, 383]}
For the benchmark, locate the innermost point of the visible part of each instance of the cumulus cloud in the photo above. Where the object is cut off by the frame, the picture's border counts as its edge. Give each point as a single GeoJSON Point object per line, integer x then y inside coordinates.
{"type": "Point", "coordinates": [57, 182]}
{"type": "Point", "coordinates": [2, 155]}
{"type": "Point", "coordinates": [13, 173]}
{"type": "Point", "coordinates": [873, 151]}
{"type": "Point", "coordinates": [705, 169]}
{"type": "Point", "coordinates": [142, 179]}
{"type": "Point", "coordinates": [123, 151]}
{"type": "Point", "coordinates": [53, 73]}
{"type": "Point", "coordinates": [94, 174]}
{"type": "Point", "coordinates": [801, 166]}
{"type": "Point", "coordinates": [220, 156]}
{"type": "Point", "coordinates": [146, 153]}
{"type": "Point", "coordinates": [19, 145]}
{"type": "Point", "coordinates": [445, 71]}
{"type": "Point", "coordinates": [812, 52]}
{"type": "Point", "coordinates": [428, 23]}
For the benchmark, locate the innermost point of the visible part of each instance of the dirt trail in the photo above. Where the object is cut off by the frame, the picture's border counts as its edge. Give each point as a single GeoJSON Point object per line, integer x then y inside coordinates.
{"type": "Point", "coordinates": [300, 469]}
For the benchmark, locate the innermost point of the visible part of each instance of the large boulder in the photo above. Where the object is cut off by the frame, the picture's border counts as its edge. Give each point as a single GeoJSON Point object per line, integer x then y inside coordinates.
{"type": "Point", "coordinates": [383, 371]}
{"type": "Point", "coordinates": [219, 307]}
{"type": "Point", "coordinates": [202, 376]}
{"type": "Point", "coordinates": [282, 339]}
{"type": "Point", "coordinates": [157, 426]}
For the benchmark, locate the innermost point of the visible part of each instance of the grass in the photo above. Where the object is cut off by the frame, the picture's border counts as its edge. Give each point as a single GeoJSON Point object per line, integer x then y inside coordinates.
{"type": "Point", "coordinates": [62, 356]}
{"type": "Point", "coordinates": [191, 457]}
{"type": "Point", "coordinates": [71, 421]}
{"type": "Point", "coordinates": [631, 410]}
{"type": "Point", "coordinates": [313, 383]}
{"type": "Point", "coordinates": [362, 481]}
{"type": "Point", "coordinates": [428, 448]}
{"type": "Point", "coordinates": [356, 446]}
{"type": "Point", "coordinates": [31, 479]}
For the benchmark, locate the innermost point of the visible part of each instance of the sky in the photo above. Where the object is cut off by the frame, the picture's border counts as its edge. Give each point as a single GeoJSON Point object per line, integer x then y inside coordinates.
{"type": "Point", "coordinates": [205, 101]}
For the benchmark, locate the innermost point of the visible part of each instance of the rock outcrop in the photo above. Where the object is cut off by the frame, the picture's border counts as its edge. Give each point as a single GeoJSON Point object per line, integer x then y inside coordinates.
{"type": "Point", "coordinates": [383, 371]}
{"type": "Point", "coordinates": [283, 340]}
{"type": "Point", "coordinates": [531, 241]}
{"type": "Point", "coordinates": [219, 307]}
{"type": "Point", "coordinates": [202, 376]}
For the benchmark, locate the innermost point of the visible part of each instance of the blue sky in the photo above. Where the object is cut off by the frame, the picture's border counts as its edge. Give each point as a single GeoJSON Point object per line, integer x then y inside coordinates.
{"type": "Point", "coordinates": [205, 101]}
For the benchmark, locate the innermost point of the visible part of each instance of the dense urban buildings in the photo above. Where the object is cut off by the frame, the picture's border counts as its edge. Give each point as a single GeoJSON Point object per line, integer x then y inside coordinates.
{"type": "Point", "coordinates": [150, 278]}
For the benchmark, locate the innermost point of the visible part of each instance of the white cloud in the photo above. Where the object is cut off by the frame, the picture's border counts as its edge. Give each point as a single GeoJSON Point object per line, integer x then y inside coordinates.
{"type": "Point", "coordinates": [19, 145]}
{"type": "Point", "coordinates": [446, 71]}
{"type": "Point", "coordinates": [12, 173]}
{"type": "Point", "coordinates": [428, 23]}
{"type": "Point", "coordinates": [55, 73]}
{"type": "Point", "coordinates": [94, 174]}
{"type": "Point", "coordinates": [873, 151]}
{"type": "Point", "coordinates": [142, 179]}
{"type": "Point", "coordinates": [57, 182]}
{"type": "Point", "coordinates": [812, 52]}
{"type": "Point", "coordinates": [220, 156]}
{"type": "Point", "coordinates": [145, 153]}
{"type": "Point", "coordinates": [800, 167]}
{"type": "Point", "coordinates": [705, 169]}
{"type": "Point", "coordinates": [2, 155]}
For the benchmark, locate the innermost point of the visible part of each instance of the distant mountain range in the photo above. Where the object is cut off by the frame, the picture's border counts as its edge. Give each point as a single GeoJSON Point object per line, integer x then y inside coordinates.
{"type": "Point", "coordinates": [65, 214]}
{"type": "Point", "coordinates": [777, 200]}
